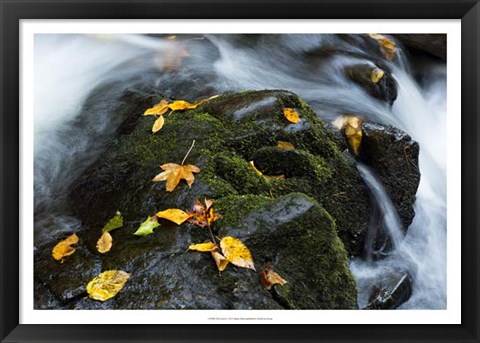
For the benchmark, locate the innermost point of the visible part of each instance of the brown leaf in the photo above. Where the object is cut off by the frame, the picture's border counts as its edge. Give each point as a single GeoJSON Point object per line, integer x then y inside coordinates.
{"type": "Point", "coordinates": [157, 126]}
{"type": "Point", "coordinates": [104, 244]}
{"type": "Point", "coordinates": [270, 278]}
{"type": "Point", "coordinates": [174, 215]}
{"type": "Point", "coordinates": [285, 145]}
{"type": "Point", "coordinates": [236, 252]}
{"type": "Point", "coordinates": [174, 173]}
{"type": "Point", "coordinates": [64, 248]}
{"type": "Point", "coordinates": [387, 45]}
{"type": "Point", "coordinates": [291, 115]}
{"type": "Point", "coordinates": [203, 215]}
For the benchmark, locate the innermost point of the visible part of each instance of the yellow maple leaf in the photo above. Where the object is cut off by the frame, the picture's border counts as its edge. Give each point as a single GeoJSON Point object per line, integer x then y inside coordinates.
{"type": "Point", "coordinates": [270, 278]}
{"type": "Point", "coordinates": [174, 173]}
{"type": "Point", "coordinates": [180, 105]}
{"type": "Point", "coordinates": [104, 243]}
{"type": "Point", "coordinates": [291, 115]}
{"type": "Point", "coordinates": [376, 75]}
{"type": "Point", "coordinates": [236, 252]}
{"type": "Point", "coordinates": [158, 109]}
{"type": "Point", "coordinates": [388, 46]}
{"type": "Point", "coordinates": [64, 248]}
{"type": "Point", "coordinates": [174, 215]}
{"type": "Point", "coordinates": [107, 284]}
{"type": "Point", "coordinates": [204, 247]}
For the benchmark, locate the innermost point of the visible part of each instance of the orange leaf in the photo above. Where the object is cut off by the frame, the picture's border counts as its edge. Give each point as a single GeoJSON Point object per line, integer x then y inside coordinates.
{"type": "Point", "coordinates": [158, 109]}
{"type": "Point", "coordinates": [291, 115]}
{"type": "Point", "coordinates": [174, 215]}
{"type": "Point", "coordinates": [64, 248]}
{"type": "Point", "coordinates": [236, 252]}
{"type": "Point", "coordinates": [181, 105]}
{"type": "Point", "coordinates": [203, 215]}
{"type": "Point", "coordinates": [104, 244]}
{"type": "Point", "coordinates": [158, 124]}
{"type": "Point", "coordinates": [174, 173]}
{"type": "Point", "coordinates": [270, 278]}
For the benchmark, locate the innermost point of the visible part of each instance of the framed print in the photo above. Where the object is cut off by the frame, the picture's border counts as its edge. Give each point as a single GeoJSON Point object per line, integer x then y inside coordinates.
{"type": "Point", "coordinates": [275, 170]}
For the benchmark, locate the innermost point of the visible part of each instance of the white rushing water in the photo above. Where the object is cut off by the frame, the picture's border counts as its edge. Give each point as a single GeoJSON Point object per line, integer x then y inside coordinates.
{"type": "Point", "coordinates": [68, 67]}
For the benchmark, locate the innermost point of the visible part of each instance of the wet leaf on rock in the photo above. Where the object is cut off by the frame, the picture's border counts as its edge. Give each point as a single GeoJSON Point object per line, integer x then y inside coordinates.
{"type": "Point", "coordinates": [291, 115]}
{"type": "Point", "coordinates": [158, 109]}
{"type": "Point", "coordinates": [104, 243]}
{"type": "Point", "coordinates": [203, 215]}
{"type": "Point", "coordinates": [285, 145]}
{"type": "Point", "coordinates": [64, 248]}
{"type": "Point", "coordinates": [146, 228]}
{"type": "Point", "coordinates": [268, 278]}
{"type": "Point", "coordinates": [220, 260]}
{"type": "Point", "coordinates": [376, 75]}
{"type": "Point", "coordinates": [388, 46]}
{"type": "Point", "coordinates": [174, 173]}
{"type": "Point", "coordinates": [174, 215]}
{"type": "Point", "coordinates": [158, 124]}
{"type": "Point", "coordinates": [204, 247]}
{"type": "Point", "coordinates": [114, 223]}
{"type": "Point", "coordinates": [252, 165]}
{"type": "Point", "coordinates": [351, 127]}
{"type": "Point", "coordinates": [236, 252]}
{"type": "Point", "coordinates": [107, 284]}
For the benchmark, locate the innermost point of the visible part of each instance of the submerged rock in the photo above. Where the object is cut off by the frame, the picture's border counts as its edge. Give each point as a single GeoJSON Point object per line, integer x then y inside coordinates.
{"type": "Point", "coordinates": [392, 291]}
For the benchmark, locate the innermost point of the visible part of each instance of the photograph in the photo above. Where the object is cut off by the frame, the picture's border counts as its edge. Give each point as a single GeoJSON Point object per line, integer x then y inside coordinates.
{"type": "Point", "coordinates": [177, 171]}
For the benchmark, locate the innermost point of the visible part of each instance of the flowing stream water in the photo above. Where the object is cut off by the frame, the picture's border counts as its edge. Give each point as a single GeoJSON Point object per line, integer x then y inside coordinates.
{"type": "Point", "coordinates": [68, 67]}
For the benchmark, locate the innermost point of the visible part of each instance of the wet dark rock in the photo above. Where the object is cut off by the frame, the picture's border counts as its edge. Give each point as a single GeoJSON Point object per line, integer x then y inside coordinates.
{"type": "Point", "coordinates": [434, 44]}
{"type": "Point", "coordinates": [305, 225]}
{"type": "Point", "coordinates": [385, 89]}
{"type": "Point", "coordinates": [390, 292]}
{"type": "Point", "coordinates": [394, 156]}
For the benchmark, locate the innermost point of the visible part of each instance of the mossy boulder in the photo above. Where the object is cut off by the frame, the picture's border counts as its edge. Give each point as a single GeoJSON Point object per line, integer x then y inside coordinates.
{"type": "Point", "coordinates": [305, 224]}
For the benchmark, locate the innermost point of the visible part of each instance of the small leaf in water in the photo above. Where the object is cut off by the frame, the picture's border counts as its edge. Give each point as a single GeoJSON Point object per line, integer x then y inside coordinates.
{"type": "Point", "coordinates": [236, 252]}
{"type": "Point", "coordinates": [158, 124]}
{"type": "Point", "coordinates": [146, 228]}
{"type": "Point", "coordinates": [114, 223]}
{"type": "Point", "coordinates": [376, 75]}
{"type": "Point", "coordinates": [353, 132]}
{"type": "Point", "coordinates": [174, 215]}
{"type": "Point", "coordinates": [104, 244]}
{"type": "Point", "coordinates": [270, 278]}
{"type": "Point", "coordinates": [64, 248]}
{"type": "Point", "coordinates": [107, 284]}
{"type": "Point", "coordinates": [285, 145]}
{"type": "Point", "coordinates": [291, 115]}
{"type": "Point", "coordinates": [174, 173]}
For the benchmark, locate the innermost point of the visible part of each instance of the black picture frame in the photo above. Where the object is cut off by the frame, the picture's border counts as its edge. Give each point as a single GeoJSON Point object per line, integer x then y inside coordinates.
{"type": "Point", "coordinates": [12, 11]}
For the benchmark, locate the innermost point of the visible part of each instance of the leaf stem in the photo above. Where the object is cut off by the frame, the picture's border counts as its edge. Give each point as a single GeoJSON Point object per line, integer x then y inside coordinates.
{"type": "Point", "coordinates": [188, 152]}
{"type": "Point", "coordinates": [211, 234]}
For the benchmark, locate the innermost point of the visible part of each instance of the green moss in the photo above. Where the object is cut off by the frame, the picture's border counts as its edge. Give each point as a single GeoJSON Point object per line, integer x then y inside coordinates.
{"type": "Point", "coordinates": [235, 208]}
